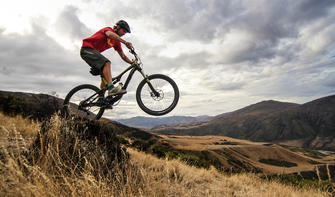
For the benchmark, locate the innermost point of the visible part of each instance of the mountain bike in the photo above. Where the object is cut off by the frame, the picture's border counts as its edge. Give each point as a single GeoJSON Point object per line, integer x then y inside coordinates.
{"type": "Point", "coordinates": [156, 95]}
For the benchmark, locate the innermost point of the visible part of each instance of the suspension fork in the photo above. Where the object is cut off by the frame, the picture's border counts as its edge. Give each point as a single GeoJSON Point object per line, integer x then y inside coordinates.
{"type": "Point", "coordinates": [149, 83]}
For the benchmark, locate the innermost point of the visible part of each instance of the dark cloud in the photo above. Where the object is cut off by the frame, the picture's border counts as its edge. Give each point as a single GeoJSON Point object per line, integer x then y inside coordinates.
{"type": "Point", "coordinates": [199, 60]}
{"type": "Point", "coordinates": [35, 62]}
{"type": "Point", "coordinates": [69, 24]}
{"type": "Point", "coordinates": [329, 81]}
{"type": "Point", "coordinates": [267, 23]}
{"type": "Point", "coordinates": [312, 82]}
{"type": "Point", "coordinates": [307, 10]}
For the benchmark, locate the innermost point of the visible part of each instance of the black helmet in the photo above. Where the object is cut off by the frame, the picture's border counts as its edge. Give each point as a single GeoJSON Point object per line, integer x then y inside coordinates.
{"type": "Point", "coordinates": [123, 24]}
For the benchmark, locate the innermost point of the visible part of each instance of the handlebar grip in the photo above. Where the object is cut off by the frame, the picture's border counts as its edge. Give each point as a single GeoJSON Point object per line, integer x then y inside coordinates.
{"type": "Point", "coordinates": [132, 51]}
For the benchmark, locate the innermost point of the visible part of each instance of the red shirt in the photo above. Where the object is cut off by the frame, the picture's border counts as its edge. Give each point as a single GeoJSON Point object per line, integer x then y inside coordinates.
{"type": "Point", "coordinates": [100, 42]}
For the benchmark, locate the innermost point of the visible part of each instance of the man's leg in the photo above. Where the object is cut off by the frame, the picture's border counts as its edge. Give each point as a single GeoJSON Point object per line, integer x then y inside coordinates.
{"type": "Point", "coordinates": [102, 84]}
{"type": "Point", "coordinates": [107, 74]}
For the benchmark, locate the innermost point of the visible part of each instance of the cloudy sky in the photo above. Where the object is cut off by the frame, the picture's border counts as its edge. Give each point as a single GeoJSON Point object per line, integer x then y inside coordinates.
{"type": "Point", "coordinates": [223, 54]}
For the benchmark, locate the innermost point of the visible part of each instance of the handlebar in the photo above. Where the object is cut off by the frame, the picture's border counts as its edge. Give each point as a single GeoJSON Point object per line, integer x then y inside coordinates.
{"type": "Point", "coordinates": [137, 59]}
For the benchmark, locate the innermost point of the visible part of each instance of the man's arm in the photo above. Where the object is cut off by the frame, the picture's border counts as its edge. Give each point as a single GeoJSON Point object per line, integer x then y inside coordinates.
{"type": "Point", "coordinates": [124, 57]}
{"type": "Point", "coordinates": [116, 37]}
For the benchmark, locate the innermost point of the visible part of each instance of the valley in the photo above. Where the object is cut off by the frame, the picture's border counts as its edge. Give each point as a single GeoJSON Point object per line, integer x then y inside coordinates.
{"type": "Point", "coordinates": [242, 155]}
{"type": "Point", "coordinates": [310, 125]}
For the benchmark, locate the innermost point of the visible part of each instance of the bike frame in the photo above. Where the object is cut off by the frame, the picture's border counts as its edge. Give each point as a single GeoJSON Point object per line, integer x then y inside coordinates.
{"type": "Point", "coordinates": [132, 69]}
{"type": "Point", "coordinates": [136, 66]}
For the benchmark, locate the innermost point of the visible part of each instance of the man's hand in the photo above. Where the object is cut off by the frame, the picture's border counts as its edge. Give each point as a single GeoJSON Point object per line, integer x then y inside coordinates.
{"type": "Point", "coordinates": [124, 57]}
{"type": "Point", "coordinates": [129, 45]}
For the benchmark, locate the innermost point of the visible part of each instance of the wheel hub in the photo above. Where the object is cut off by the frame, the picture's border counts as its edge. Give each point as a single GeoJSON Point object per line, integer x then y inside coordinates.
{"type": "Point", "coordinates": [159, 97]}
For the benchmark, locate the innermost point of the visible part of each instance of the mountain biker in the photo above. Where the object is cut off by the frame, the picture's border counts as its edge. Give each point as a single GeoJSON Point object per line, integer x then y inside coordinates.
{"type": "Point", "coordinates": [100, 41]}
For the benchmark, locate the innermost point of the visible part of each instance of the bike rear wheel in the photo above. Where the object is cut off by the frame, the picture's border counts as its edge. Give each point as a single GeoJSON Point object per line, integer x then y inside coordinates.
{"type": "Point", "coordinates": [82, 101]}
{"type": "Point", "coordinates": [159, 96]}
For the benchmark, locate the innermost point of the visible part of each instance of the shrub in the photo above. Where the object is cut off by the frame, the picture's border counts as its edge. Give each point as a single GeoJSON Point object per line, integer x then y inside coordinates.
{"type": "Point", "coordinates": [13, 105]}
{"type": "Point", "coordinates": [141, 145]}
{"type": "Point", "coordinates": [193, 160]}
{"type": "Point", "coordinates": [123, 140]}
{"type": "Point", "coordinates": [79, 145]}
{"type": "Point", "coordinates": [299, 181]}
{"type": "Point", "coordinates": [160, 150]}
{"type": "Point", "coordinates": [276, 162]}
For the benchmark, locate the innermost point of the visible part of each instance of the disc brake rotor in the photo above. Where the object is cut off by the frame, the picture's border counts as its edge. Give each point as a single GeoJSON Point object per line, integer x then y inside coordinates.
{"type": "Point", "coordinates": [157, 98]}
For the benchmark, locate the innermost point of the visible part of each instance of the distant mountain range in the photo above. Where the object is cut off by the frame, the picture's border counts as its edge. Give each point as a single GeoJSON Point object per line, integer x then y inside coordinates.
{"type": "Point", "coordinates": [150, 123]}
{"type": "Point", "coordinates": [310, 125]}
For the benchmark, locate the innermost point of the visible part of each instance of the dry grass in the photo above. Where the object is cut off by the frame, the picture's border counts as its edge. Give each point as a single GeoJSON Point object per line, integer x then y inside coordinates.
{"type": "Point", "coordinates": [143, 175]}
{"type": "Point", "coordinates": [173, 178]}
{"type": "Point", "coordinates": [25, 127]}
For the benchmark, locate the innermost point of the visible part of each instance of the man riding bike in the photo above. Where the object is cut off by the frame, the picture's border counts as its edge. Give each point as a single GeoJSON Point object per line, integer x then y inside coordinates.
{"type": "Point", "coordinates": [100, 41]}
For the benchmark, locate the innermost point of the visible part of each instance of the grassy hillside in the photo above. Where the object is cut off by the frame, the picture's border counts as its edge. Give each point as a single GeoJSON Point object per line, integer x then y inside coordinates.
{"type": "Point", "coordinates": [229, 154]}
{"type": "Point", "coordinates": [83, 167]}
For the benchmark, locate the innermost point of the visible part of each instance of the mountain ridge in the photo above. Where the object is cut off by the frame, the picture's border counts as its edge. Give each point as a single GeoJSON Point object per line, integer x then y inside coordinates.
{"type": "Point", "coordinates": [272, 121]}
{"type": "Point", "coordinates": [152, 122]}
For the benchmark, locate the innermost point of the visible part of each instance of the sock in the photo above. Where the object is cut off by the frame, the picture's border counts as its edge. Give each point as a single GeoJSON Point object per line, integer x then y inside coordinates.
{"type": "Point", "coordinates": [110, 85]}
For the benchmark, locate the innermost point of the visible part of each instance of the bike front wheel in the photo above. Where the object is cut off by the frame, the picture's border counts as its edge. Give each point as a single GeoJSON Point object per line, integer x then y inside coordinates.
{"type": "Point", "coordinates": [82, 101]}
{"type": "Point", "coordinates": [157, 96]}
